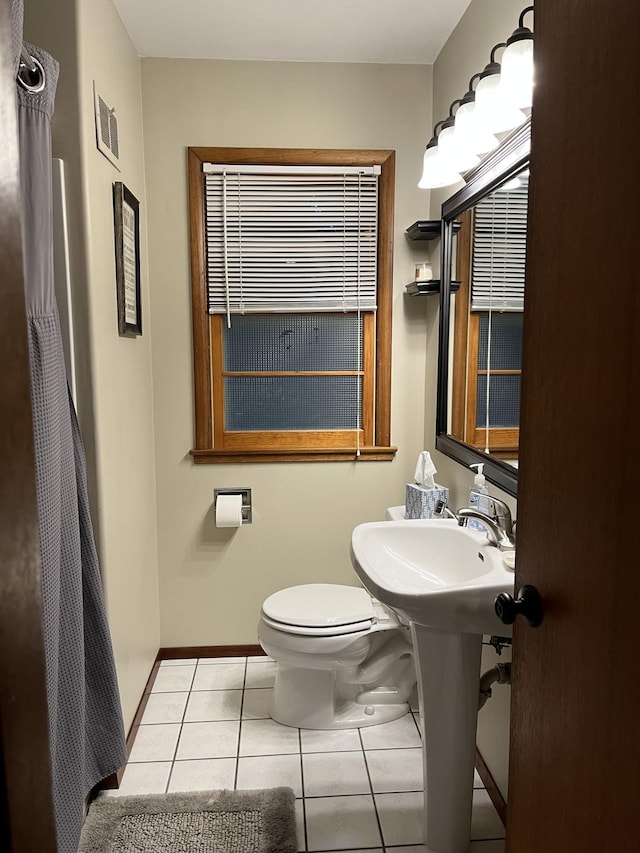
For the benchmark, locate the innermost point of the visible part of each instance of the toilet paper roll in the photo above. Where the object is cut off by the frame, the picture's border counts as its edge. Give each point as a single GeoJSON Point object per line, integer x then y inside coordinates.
{"type": "Point", "coordinates": [228, 510]}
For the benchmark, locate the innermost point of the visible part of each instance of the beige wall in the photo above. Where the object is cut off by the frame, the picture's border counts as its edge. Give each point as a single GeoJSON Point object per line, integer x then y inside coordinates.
{"type": "Point", "coordinates": [213, 582]}
{"type": "Point", "coordinates": [484, 24]}
{"type": "Point", "coordinates": [115, 387]}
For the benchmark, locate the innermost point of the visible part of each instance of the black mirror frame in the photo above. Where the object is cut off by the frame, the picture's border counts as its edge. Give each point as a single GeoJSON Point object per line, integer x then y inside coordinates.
{"type": "Point", "coordinates": [511, 156]}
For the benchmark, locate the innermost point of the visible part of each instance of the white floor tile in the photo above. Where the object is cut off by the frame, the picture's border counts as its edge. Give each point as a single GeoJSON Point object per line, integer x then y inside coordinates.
{"type": "Point", "coordinates": [264, 737]}
{"type": "Point", "coordinates": [477, 781]}
{"type": "Point", "coordinates": [256, 704]}
{"type": "Point", "coordinates": [332, 773]}
{"type": "Point", "coordinates": [208, 705]}
{"type": "Point", "coordinates": [270, 771]}
{"type": "Point", "coordinates": [148, 778]}
{"type": "Point", "coordinates": [155, 743]}
{"type": "Point", "coordinates": [401, 817]}
{"type": "Point", "coordinates": [210, 694]}
{"type": "Point", "coordinates": [164, 708]}
{"type": "Point", "coordinates": [393, 735]}
{"type": "Point", "coordinates": [395, 770]}
{"type": "Point", "coordinates": [302, 844]}
{"type": "Point", "coordinates": [261, 674]}
{"type": "Point", "coordinates": [222, 676]}
{"type": "Point", "coordinates": [173, 678]}
{"type": "Point", "coordinates": [413, 848]}
{"type": "Point", "coordinates": [208, 740]}
{"type": "Point", "coordinates": [203, 774]}
{"type": "Point", "coordinates": [485, 822]}
{"type": "Point", "coordinates": [341, 823]}
{"type": "Point", "coordinates": [314, 740]}
{"type": "Point", "coordinates": [486, 847]}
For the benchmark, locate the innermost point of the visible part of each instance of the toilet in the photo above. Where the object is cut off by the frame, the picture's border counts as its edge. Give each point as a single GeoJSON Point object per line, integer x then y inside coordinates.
{"type": "Point", "coordinates": [344, 659]}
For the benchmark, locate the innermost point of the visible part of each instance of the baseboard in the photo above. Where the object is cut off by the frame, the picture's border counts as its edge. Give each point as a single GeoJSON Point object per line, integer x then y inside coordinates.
{"type": "Point", "coordinates": [186, 652]}
{"type": "Point", "coordinates": [489, 783]}
{"type": "Point", "coordinates": [112, 782]}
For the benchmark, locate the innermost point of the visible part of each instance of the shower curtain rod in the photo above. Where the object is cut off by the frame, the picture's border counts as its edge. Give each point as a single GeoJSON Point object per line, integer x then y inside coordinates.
{"type": "Point", "coordinates": [31, 75]}
{"type": "Point", "coordinates": [27, 61]}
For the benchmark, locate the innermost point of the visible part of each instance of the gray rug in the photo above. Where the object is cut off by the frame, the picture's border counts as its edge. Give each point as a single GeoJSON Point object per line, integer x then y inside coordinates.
{"type": "Point", "coordinates": [197, 822]}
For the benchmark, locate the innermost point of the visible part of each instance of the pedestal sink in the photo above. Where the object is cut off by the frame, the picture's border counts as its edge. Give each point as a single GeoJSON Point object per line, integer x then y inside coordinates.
{"type": "Point", "coordinates": [441, 579]}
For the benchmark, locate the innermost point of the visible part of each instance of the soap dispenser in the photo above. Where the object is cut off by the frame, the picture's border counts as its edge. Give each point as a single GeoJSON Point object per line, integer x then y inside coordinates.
{"type": "Point", "coordinates": [479, 488]}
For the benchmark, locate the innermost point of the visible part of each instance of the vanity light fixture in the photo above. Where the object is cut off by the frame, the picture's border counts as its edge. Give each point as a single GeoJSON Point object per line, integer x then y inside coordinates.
{"type": "Point", "coordinates": [469, 133]}
{"type": "Point", "coordinates": [436, 172]}
{"type": "Point", "coordinates": [495, 106]}
{"type": "Point", "coordinates": [517, 65]}
{"type": "Point", "coordinates": [493, 113]}
{"type": "Point", "coordinates": [455, 154]}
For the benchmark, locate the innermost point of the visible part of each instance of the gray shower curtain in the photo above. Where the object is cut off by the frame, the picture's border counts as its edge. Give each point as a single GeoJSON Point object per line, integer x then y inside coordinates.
{"type": "Point", "coordinates": [85, 722]}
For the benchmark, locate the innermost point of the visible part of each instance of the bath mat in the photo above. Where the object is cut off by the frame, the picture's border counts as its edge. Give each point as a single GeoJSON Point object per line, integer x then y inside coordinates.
{"type": "Point", "coordinates": [260, 821]}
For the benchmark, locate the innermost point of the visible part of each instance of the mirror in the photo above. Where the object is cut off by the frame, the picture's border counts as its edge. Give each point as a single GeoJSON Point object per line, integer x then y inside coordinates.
{"type": "Point", "coordinates": [480, 343]}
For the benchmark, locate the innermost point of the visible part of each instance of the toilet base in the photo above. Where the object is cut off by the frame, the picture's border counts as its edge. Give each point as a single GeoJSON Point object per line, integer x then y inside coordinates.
{"type": "Point", "coordinates": [311, 699]}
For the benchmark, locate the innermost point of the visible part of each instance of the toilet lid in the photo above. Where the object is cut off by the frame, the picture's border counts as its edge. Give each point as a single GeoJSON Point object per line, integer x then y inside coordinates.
{"type": "Point", "coordinates": [319, 605]}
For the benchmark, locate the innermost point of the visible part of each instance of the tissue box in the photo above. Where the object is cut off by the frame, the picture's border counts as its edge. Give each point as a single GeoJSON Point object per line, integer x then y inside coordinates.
{"type": "Point", "coordinates": [420, 502]}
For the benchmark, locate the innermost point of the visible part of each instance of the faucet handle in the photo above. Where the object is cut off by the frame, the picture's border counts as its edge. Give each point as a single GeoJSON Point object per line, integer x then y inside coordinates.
{"type": "Point", "coordinates": [442, 510]}
{"type": "Point", "coordinates": [497, 510]}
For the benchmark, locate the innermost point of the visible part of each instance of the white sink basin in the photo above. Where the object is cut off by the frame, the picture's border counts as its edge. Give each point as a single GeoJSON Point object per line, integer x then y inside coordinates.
{"type": "Point", "coordinates": [433, 572]}
{"type": "Point", "coordinates": [443, 580]}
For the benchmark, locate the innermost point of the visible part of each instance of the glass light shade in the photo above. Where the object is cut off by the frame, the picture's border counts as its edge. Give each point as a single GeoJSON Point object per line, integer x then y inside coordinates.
{"type": "Point", "coordinates": [493, 112]}
{"type": "Point", "coordinates": [458, 156]}
{"type": "Point", "coordinates": [435, 171]}
{"type": "Point", "coordinates": [516, 78]}
{"type": "Point", "coordinates": [470, 134]}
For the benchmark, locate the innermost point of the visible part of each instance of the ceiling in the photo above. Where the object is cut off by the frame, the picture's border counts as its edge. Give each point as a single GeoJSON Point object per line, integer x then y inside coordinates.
{"type": "Point", "coordinates": [403, 31]}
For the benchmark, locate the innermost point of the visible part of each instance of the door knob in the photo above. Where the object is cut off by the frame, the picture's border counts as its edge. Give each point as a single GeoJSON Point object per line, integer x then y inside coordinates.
{"type": "Point", "coordinates": [528, 604]}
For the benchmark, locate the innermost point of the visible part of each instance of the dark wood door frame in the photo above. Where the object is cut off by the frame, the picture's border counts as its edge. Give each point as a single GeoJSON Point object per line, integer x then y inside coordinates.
{"type": "Point", "coordinates": [25, 779]}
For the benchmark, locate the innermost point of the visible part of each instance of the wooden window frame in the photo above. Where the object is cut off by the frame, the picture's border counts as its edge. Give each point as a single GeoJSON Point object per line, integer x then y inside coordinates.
{"type": "Point", "coordinates": [503, 441]}
{"type": "Point", "coordinates": [215, 445]}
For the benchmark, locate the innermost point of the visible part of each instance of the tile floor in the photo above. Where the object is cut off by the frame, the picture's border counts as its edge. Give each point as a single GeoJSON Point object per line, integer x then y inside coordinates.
{"type": "Point", "coordinates": [206, 725]}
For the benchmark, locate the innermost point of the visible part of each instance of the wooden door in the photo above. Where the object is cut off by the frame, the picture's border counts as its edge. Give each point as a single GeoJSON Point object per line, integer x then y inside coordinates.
{"type": "Point", "coordinates": [26, 811]}
{"type": "Point", "coordinates": [575, 744]}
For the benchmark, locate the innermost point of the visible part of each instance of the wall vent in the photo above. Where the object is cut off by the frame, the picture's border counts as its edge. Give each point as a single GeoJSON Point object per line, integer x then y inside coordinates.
{"type": "Point", "coordinates": [106, 129]}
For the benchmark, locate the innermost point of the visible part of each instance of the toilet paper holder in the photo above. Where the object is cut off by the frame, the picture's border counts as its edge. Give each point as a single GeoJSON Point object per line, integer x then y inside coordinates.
{"type": "Point", "coordinates": [246, 501]}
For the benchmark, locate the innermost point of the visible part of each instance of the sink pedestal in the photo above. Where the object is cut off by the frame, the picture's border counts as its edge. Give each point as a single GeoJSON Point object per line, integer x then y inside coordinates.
{"type": "Point", "coordinates": [448, 688]}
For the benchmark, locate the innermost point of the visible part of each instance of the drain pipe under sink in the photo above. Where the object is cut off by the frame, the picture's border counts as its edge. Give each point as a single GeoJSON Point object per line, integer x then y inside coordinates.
{"type": "Point", "coordinates": [499, 674]}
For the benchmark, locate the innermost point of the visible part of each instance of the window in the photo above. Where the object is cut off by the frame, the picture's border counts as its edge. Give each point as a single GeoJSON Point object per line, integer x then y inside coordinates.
{"type": "Point", "coordinates": [488, 318]}
{"type": "Point", "coordinates": [291, 253]}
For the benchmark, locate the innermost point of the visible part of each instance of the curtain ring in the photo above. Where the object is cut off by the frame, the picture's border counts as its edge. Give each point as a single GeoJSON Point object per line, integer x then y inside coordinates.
{"type": "Point", "coordinates": [31, 81]}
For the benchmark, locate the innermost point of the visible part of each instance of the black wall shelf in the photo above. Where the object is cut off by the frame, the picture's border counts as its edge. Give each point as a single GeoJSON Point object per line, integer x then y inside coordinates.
{"type": "Point", "coordinates": [424, 288]}
{"type": "Point", "coordinates": [427, 229]}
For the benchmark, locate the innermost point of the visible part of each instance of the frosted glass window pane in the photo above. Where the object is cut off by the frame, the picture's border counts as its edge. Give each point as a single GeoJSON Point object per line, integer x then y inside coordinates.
{"type": "Point", "coordinates": [279, 342]}
{"type": "Point", "coordinates": [504, 401]}
{"type": "Point", "coordinates": [291, 402]}
{"type": "Point", "coordinates": [506, 341]}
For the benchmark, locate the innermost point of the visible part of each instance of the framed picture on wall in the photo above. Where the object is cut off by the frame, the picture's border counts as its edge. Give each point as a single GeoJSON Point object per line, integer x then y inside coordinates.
{"type": "Point", "coordinates": [126, 214]}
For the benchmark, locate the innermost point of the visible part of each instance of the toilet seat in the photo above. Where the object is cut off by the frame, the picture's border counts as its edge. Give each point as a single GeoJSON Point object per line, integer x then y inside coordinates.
{"type": "Point", "coordinates": [319, 610]}
{"type": "Point", "coordinates": [336, 631]}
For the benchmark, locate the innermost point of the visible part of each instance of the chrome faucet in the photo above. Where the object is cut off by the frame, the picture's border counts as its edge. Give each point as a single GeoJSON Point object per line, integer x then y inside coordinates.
{"type": "Point", "coordinates": [496, 517]}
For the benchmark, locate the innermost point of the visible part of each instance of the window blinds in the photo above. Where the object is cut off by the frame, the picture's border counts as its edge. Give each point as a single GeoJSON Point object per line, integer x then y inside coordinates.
{"type": "Point", "coordinates": [291, 239]}
{"type": "Point", "coordinates": [499, 250]}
